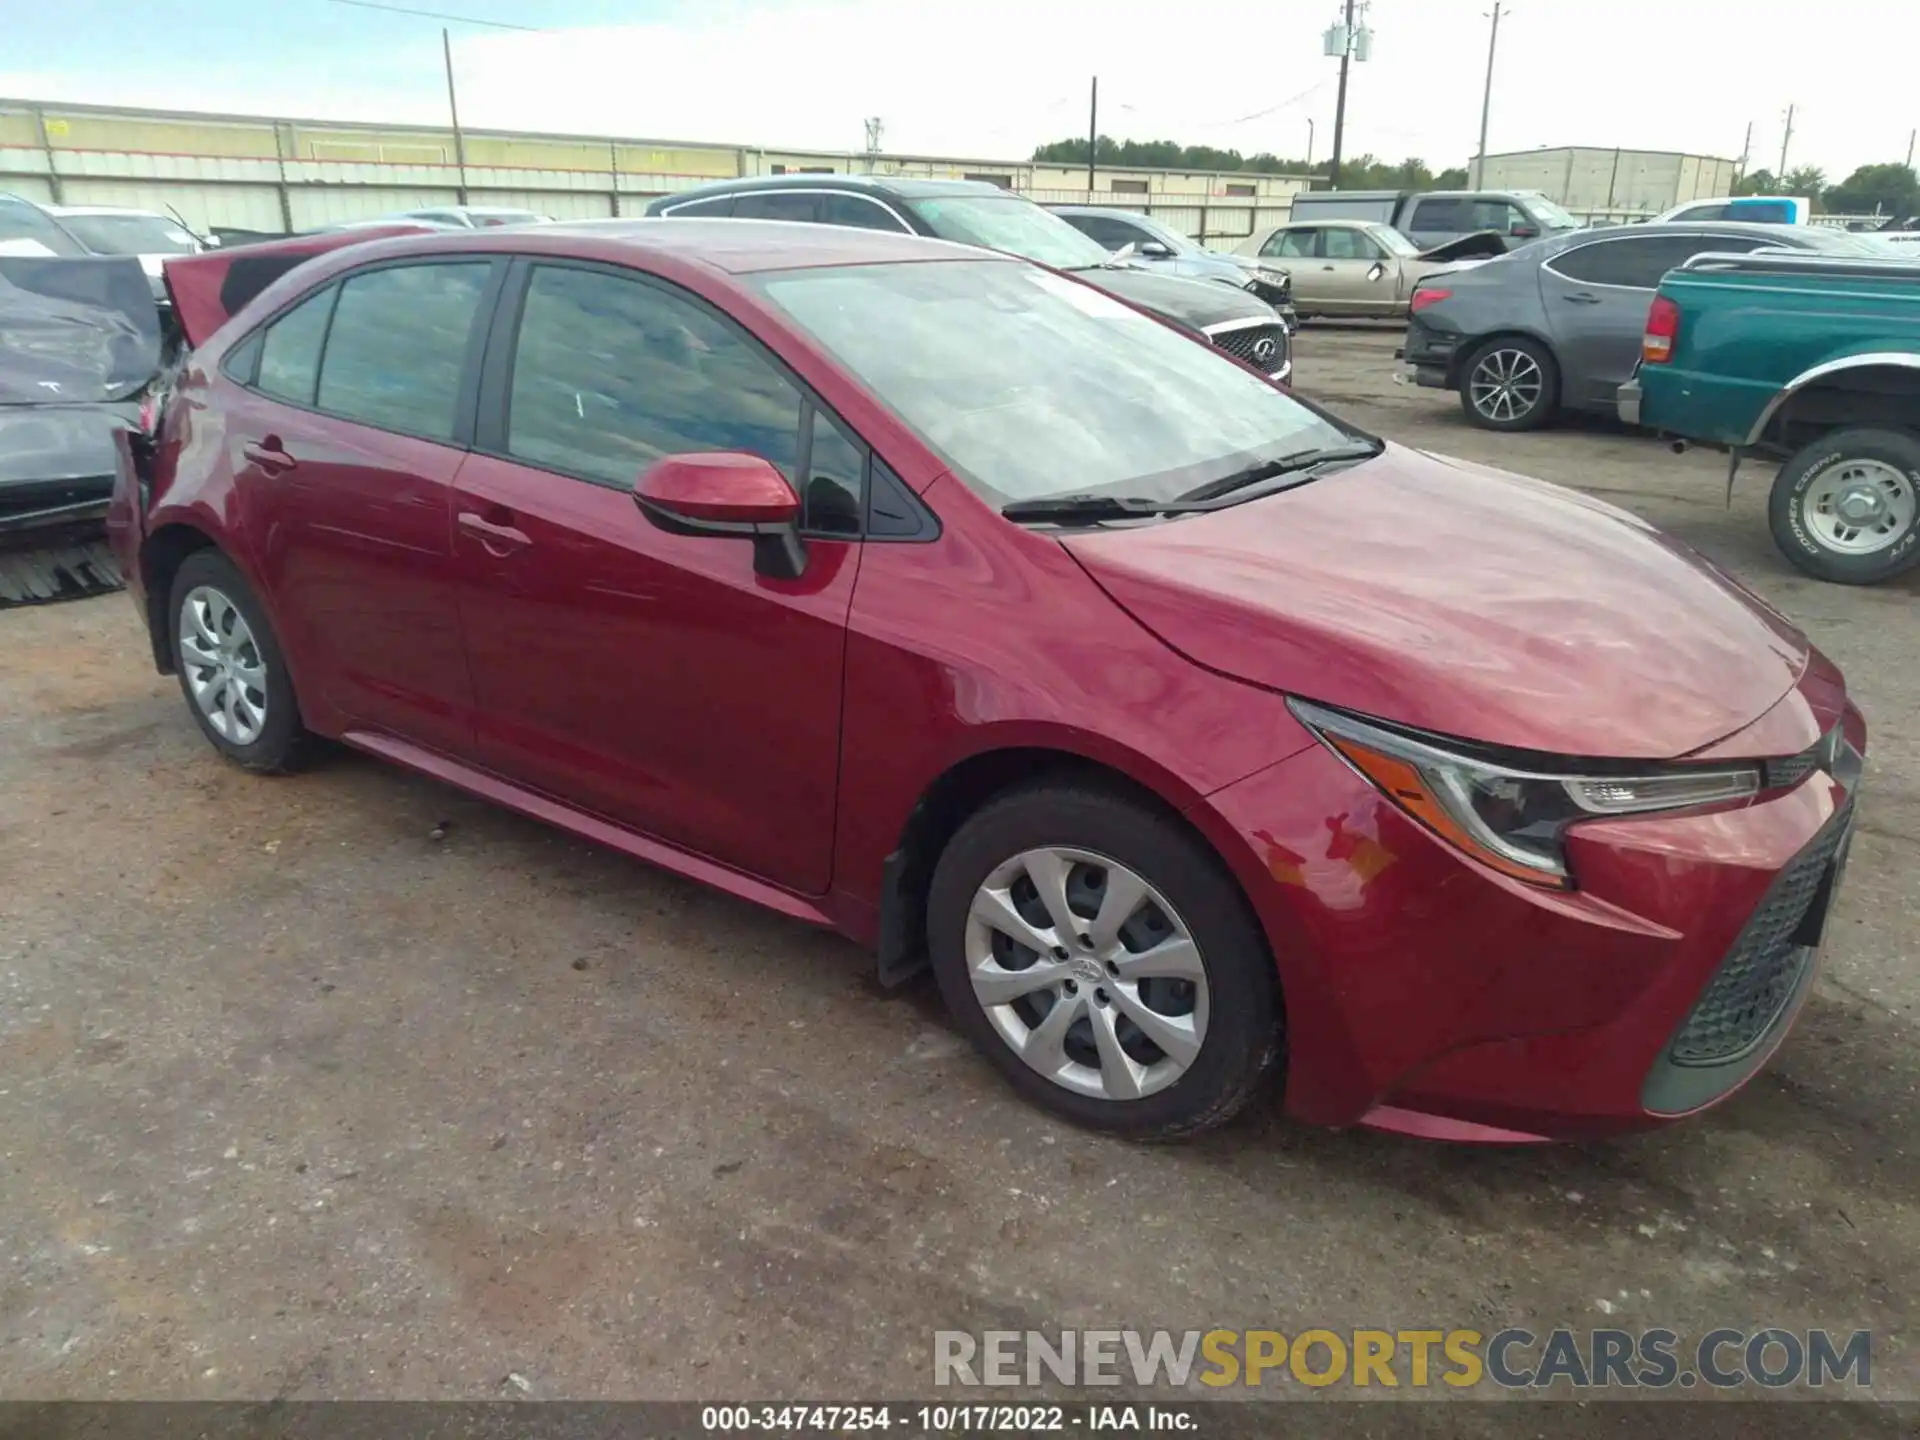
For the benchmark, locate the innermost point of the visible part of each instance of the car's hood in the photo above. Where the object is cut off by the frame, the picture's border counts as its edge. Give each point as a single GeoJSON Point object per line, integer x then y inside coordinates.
{"type": "Point", "coordinates": [1480, 245]}
{"type": "Point", "coordinates": [1461, 600]}
{"type": "Point", "coordinates": [1199, 303]}
{"type": "Point", "coordinates": [75, 331]}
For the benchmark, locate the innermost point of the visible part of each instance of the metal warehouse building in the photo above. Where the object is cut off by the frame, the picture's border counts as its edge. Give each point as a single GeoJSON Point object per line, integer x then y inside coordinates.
{"type": "Point", "coordinates": [260, 173]}
{"type": "Point", "coordinates": [1601, 182]}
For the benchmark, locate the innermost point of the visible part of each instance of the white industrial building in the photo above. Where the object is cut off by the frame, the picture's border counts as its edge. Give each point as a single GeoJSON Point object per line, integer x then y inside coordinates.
{"type": "Point", "coordinates": [1596, 183]}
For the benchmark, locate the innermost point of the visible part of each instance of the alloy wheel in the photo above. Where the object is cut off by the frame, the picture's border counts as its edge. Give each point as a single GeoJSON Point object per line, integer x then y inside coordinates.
{"type": "Point", "coordinates": [1506, 385]}
{"type": "Point", "coordinates": [1087, 973]}
{"type": "Point", "coordinates": [1860, 507]}
{"type": "Point", "coordinates": [222, 664]}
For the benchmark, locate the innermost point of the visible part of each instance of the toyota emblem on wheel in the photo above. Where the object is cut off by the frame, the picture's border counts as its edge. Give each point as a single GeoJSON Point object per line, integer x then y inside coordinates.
{"type": "Point", "coordinates": [1265, 348]}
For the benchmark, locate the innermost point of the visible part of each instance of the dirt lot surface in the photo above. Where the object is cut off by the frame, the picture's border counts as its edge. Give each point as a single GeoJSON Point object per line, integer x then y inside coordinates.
{"type": "Point", "coordinates": [296, 1100]}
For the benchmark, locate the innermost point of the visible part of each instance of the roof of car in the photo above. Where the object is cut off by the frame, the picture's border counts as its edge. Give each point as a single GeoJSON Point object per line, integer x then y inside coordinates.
{"type": "Point", "coordinates": [735, 246]}
{"type": "Point", "coordinates": [1693, 227]}
{"type": "Point", "coordinates": [104, 210]}
{"type": "Point", "coordinates": [904, 187]}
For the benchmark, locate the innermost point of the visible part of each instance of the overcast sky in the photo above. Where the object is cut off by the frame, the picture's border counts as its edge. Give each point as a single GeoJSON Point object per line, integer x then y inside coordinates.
{"type": "Point", "coordinates": [992, 78]}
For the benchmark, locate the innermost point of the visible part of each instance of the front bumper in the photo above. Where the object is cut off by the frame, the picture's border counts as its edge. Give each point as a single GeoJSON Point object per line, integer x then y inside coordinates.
{"type": "Point", "coordinates": [1427, 994]}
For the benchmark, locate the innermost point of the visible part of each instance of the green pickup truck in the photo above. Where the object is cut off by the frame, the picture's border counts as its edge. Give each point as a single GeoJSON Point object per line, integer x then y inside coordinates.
{"type": "Point", "coordinates": [1813, 359]}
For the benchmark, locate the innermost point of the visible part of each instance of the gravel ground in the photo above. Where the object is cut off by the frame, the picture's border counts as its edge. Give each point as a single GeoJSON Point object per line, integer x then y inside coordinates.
{"type": "Point", "coordinates": [298, 1101]}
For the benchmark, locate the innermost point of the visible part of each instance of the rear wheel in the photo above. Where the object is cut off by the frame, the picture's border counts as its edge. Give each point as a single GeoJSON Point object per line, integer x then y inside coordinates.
{"type": "Point", "coordinates": [1101, 958]}
{"type": "Point", "coordinates": [230, 667]}
{"type": "Point", "coordinates": [1846, 508]}
{"type": "Point", "coordinates": [1510, 383]}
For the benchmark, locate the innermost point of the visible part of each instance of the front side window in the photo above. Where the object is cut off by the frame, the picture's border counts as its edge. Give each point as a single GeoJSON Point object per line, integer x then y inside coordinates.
{"type": "Point", "coordinates": [1031, 385]}
{"type": "Point", "coordinates": [1014, 225]}
{"type": "Point", "coordinates": [834, 496]}
{"type": "Point", "coordinates": [1341, 244]}
{"type": "Point", "coordinates": [397, 348]}
{"type": "Point", "coordinates": [858, 212]}
{"type": "Point", "coordinates": [290, 349]}
{"type": "Point", "coordinates": [718, 206]}
{"type": "Point", "coordinates": [1500, 215]}
{"type": "Point", "coordinates": [803, 208]}
{"type": "Point", "coordinates": [1106, 230]}
{"type": "Point", "coordinates": [611, 373]}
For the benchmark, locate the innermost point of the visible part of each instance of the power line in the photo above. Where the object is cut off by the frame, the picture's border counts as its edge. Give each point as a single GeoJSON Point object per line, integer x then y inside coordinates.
{"type": "Point", "coordinates": [436, 15]}
{"type": "Point", "coordinates": [1270, 110]}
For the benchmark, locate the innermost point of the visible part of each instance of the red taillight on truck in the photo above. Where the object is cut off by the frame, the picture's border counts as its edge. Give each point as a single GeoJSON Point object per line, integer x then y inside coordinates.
{"type": "Point", "coordinates": [1424, 297]}
{"type": "Point", "coordinates": [1663, 328]}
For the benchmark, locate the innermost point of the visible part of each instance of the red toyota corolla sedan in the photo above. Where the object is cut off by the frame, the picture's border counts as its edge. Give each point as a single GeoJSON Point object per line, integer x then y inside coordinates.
{"type": "Point", "coordinates": [926, 594]}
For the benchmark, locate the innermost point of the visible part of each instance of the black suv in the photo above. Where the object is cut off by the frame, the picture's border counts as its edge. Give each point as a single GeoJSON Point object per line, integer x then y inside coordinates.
{"type": "Point", "coordinates": [972, 212]}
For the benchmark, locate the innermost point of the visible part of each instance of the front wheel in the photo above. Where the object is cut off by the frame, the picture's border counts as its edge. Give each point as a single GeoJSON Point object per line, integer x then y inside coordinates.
{"type": "Point", "coordinates": [1510, 383]}
{"type": "Point", "coordinates": [1846, 508]}
{"type": "Point", "coordinates": [1104, 962]}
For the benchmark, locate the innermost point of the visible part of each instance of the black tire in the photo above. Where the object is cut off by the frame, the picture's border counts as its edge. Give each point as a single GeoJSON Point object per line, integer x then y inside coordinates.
{"type": "Point", "coordinates": [1545, 400]}
{"type": "Point", "coordinates": [1242, 1039]}
{"type": "Point", "coordinates": [1801, 478]}
{"type": "Point", "coordinates": [283, 743]}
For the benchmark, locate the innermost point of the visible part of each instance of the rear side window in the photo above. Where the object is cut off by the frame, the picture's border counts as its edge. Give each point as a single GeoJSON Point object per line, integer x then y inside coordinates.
{"type": "Point", "coordinates": [1438, 215]}
{"type": "Point", "coordinates": [290, 349]}
{"type": "Point", "coordinates": [397, 348]}
{"type": "Point", "coordinates": [610, 374]}
{"type": "Point", "coordinates": [1637, 262]}
{"type": "Point", "coordinates": [1295, 244]}
{"type": "Point", "coordinates": [1342, 244]}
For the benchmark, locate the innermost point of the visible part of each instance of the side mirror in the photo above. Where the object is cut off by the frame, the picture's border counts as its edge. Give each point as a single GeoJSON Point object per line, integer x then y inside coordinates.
{"type": "Point", "coordinates": [727, 492]}
{"type": "Point", "coordinates": [1377, 271]}
{"type": "Point", "coordinates": [1155, 250]}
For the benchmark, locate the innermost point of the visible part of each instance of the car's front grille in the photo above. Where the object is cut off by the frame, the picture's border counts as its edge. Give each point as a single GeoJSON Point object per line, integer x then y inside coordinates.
{"type": "Point", "coordinates": [1792, 769]}
{"type": "Point", "coordinates": [1764, 968]}
{"type": "Point", "coordinates": [1262, 346]}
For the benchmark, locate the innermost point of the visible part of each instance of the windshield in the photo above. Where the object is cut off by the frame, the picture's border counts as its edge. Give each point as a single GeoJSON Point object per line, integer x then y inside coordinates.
{"type": "Point", "coordinates": [28, 230]}
{"type": "Point", "coordinates": [131, 235]}
{"type": "Point", "coordinates": [1549, 214]}
{"type": "Point", "coordinates": [1394, 242]}
{"type": "Point", "coordinates": [1009, 223]}
{"type": "Point", "coordinates": [1031, 385]}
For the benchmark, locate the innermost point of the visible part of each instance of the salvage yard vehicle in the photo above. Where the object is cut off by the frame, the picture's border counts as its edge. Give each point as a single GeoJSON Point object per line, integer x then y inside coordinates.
{"type": "Point", "coordinates": [1359, 269]}
{"type": "Point", "coordinates": [111, 230]}
{"type": "Point", "coordinates": [942, 599]}
{"type": "Point", "coordinates": [973, 212]}
{"type": "Point", "coordinates": [1812, 359]}
{"type": "Point", "coordinates": [1434, 217]}
{"type": "Point", "coordinates": [1557, 326]}
{"type": "Point", "coordinates": [1160, 247]}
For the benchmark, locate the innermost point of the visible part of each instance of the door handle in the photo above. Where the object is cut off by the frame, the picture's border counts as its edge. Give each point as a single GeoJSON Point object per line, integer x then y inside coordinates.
{"type": "Point", "coordinates": [1581, 297]}
{"type": "Point", "coordinates": [499, 540]}
{"type": "Point", "coordinates": [1326, 267]}
{"type": "Point", "coordinates": [268, 455]}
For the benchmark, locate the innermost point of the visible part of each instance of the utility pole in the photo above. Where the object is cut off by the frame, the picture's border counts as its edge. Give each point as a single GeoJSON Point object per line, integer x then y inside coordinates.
{"type": "Point", "coordinates": [1310, 145]}
{"type": "Point", "coordinates": [1910, 138]}
{"type": "Point", "coordinates": [1093, 132]}
{"type": "Point", "coordinates": [1486, 100]}
{"type": "Point", "coordinates": [1784, 140]}
{"type": "Point", "coordinates": [1746, 149]}
{"type": "Point", "coordinates": [875, 128]}
{"type": "Point", "coordinates": [1340, 103]}
{"type": "Point", "coordinates": [453, 106]}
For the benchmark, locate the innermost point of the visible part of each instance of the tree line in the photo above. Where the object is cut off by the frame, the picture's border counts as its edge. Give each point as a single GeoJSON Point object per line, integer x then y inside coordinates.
{"type": "Point", "coordinates": [1882, 189]}
{"type": "Point", "coordinates": [1360, 172]}
{"type": "Point", "coordinates": [1871, 189]}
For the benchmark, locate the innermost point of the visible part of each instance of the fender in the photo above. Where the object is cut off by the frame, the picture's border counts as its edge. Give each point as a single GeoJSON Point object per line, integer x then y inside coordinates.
{"type": "Point", "coordinates": [1899, 359]}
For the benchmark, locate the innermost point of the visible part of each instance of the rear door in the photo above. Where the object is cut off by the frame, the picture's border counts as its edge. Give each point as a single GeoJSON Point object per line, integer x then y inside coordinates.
{"type": "Point", "coordinates": [1596, 298]}
{"type": "Point", "coordinates": [1354, 271]}
{"type": "Point", "coordinates": [345, 433]}
{"type": "Point", "coordinates": [653, 678]}
{"type": "Point", "coordinates": [1297, 248]}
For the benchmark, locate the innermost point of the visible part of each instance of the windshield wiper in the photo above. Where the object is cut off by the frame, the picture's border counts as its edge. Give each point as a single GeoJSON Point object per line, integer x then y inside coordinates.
{"type": "Point", "coordinates": [1091, 508]}
{"type": "Point", "coordinates": [1292, 464]}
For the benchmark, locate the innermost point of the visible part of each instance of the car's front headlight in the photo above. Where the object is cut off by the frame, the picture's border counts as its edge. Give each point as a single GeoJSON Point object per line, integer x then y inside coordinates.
{"type": "Point", "coordinates": [1512, 819]}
